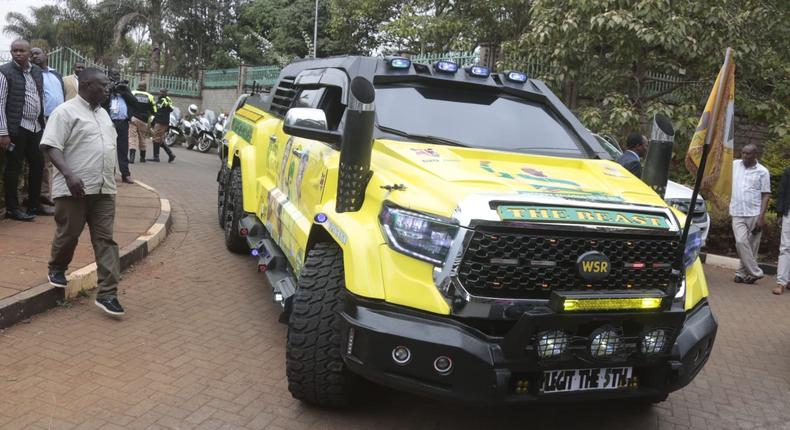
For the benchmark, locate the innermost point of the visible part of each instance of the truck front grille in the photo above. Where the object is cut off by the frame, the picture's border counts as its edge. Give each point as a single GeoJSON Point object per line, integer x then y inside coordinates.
{"type": "Point", "coordinates": [531, 264]}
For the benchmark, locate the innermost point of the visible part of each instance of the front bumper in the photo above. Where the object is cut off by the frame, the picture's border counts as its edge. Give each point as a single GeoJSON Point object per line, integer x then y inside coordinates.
{"type": "Point", "coordinates": [497, 369]}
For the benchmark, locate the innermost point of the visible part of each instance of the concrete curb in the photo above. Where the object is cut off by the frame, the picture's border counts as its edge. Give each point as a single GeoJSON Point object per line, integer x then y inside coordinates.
{"type": "Point", "coordinates": [43, 297]}
{"type": "Point", "coordinates": [734, 263]}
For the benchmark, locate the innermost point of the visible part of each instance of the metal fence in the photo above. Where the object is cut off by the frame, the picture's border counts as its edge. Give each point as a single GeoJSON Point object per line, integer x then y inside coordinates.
{"type": "Point", "coordinates": [265, 76]}
{"type": "Point", "coordinates": [462, 58]}
{"type": "Point", "coordinates": [176, 86]}
{"type": "Point", "coordinates": [221, 78]}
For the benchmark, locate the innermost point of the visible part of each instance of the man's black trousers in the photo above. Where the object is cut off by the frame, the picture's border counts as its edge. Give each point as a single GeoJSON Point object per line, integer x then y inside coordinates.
{"type": "Point", "coordinates": [122, 127]}
{"type": "Point", "coordinates": [26, 148]}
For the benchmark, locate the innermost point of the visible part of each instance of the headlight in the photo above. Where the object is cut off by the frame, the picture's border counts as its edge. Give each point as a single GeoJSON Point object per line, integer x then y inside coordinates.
{"type": "Point", "coordinates": [693, 245]}
{"type": "Point", "coordinates": [418, 235]}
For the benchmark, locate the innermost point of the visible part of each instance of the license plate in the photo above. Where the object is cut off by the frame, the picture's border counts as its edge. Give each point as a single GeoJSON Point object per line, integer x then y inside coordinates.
{"type": "Point", "coordinates": [568, 380]}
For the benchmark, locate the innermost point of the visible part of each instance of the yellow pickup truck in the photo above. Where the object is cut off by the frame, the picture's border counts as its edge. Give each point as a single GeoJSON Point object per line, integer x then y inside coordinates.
{"type": "Point", "coordinates": [457, 233]}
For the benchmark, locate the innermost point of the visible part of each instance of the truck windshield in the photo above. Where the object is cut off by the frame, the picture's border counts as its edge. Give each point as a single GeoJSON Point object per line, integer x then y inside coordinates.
{"type": "Point", "coordinates": [476, 119]}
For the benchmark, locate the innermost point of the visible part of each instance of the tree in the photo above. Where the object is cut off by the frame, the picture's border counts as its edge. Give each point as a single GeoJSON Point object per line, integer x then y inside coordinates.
{"type": "Point", "coordinates": [41, 26]}
{"type": "Point", "coordinates": [610, 51]}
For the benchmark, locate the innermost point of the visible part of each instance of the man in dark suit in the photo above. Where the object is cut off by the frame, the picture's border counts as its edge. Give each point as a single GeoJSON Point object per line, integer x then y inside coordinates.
{"type": "Point", "coordinates": [636, 149]}
{"type": "Point", "coordinates": [54, 95]}
{"type": "Point", "coordinates": [21, 123]}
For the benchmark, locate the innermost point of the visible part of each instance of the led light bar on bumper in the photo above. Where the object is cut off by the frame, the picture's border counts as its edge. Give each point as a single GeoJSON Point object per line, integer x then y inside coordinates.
{"type": "Point", "coordinates": [418, 235]}
{"type": "Point", "coordinates": [607, 301]}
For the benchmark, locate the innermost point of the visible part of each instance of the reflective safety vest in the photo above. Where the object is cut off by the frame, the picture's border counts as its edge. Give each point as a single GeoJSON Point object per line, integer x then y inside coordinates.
{"type": "Point", "coordinates": [146, 98]}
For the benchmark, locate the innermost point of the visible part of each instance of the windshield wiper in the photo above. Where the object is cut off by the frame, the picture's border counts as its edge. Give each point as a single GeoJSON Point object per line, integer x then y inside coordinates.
{"type": "Point", "coordinates": [422, 137]}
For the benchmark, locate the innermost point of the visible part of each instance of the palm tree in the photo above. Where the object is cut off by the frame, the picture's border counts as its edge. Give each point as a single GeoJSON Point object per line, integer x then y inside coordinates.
{"type": "Point", "coordinates": [41, 25]}
{"type": "Point", "coordinates": [136, 13]}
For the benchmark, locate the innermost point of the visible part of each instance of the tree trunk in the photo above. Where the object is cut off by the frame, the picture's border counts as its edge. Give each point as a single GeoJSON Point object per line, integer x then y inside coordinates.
{"type": "Point", "coordinates": [157, 34]}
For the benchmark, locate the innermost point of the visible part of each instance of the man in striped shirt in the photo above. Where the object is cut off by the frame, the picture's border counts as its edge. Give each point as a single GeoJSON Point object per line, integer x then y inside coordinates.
{"type": "Point", "coordinates": [751, 187]}
{"type": "Point", "coordinates": [21, 122]}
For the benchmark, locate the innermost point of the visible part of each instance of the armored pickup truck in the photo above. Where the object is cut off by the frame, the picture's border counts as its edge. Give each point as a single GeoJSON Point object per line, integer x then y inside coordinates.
{"type": "Point", "coordinates": [458, 233]}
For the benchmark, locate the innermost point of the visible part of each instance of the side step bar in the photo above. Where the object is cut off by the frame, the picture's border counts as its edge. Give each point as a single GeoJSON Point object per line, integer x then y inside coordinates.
{"type": "Point", "coordinates": [271, 262]}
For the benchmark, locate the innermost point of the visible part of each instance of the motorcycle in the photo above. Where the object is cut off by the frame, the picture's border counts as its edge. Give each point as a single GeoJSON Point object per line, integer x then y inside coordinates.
{"type": "Point", "coordinates": [190, 129]}
{"type": "Point", "coordinates": [219, 131]}
{"type": "Point", "coordinates": [174, 132]}
{"type": "Point", "coordinates": [206, 126]}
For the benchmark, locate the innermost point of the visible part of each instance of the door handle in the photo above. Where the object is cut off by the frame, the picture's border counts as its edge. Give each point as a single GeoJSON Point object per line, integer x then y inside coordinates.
{"type": "Point", "coordinates": [273, 138]}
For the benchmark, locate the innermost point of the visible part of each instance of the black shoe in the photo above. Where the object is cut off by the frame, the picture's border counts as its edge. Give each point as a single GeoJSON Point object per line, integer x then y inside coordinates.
{"type": "Point", "coordinates": [57, 279]}
{"type": "Point", "coordinates": [142, 156]}
{"type": "Point", "coordinates": [751, 279]}
{"type": "Point", "coordinates": [46, 201]}
{"type": "Point", "coordinates": [127, 180]}
{"type": "Point", "coordinates": [41, 210]}
{"type": "Point", "coordinates": [171, 157]}
{"type": "Point", "coordinates": [155, 159]}
{"type": "Point", "coordinates": [18, 215]}
{"type": "Point", "coordinates": [111, 306]}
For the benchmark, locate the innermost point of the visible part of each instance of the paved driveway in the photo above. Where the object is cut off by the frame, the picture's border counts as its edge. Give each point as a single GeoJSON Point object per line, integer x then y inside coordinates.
{"type": "Point", "coordinates": [200, 347]}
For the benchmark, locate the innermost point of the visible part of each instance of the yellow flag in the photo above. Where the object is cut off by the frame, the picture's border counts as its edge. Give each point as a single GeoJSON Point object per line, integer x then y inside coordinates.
{"type": "Point", "coordinates": [717, 179]}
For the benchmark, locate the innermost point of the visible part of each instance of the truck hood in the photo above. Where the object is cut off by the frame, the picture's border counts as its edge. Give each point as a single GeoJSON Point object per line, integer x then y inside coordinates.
{"type": "Point", "coordinates": [449, 174]}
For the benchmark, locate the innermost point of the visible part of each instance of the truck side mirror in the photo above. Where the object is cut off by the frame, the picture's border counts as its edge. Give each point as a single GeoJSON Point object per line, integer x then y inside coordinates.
{"type": "Point", "coordinates": [356, 147]}
{"type": "Point", "coordinates": [309, 124]}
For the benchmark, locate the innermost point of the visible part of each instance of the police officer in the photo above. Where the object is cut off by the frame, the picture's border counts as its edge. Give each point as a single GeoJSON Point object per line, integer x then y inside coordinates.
{"type": "Point", "coordinates": [161, 123]}
{"type": "Point", "coordinates": [138, 128]}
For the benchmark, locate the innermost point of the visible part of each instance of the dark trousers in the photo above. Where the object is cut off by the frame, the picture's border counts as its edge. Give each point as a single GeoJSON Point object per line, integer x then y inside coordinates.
{"type": "Point", "coordinates": [71, 214]}
{"type": "Point", "coordinates": [160, 130]}
{"type": "Point", "coordinates": [122, 127]}
{"type": "Point", "coordinates": [26, 148]}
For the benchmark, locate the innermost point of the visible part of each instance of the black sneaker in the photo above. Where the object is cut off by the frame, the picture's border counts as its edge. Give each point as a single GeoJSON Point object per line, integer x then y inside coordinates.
{"type": "Point", "coordinates": [738, 279]}
{"type": "Point", "coordinates": [57, 279]}
{"type": "Point", "coordinates": [111, 306]}
{"type": "Point", "coordinates": [749, 279]}
{"type": "Point", "coordinates": [170, 157]}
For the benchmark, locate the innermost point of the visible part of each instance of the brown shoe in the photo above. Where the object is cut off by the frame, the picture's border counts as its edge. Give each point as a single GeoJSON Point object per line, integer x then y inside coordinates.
{"type": "Point", "coordinates": [779, 289]}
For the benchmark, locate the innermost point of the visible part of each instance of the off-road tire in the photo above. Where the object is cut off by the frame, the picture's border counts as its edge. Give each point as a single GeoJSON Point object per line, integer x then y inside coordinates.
{"type": "Point", "coordinates": [315, 370]}
{"type": "Point", "coordinates": [233, 212]}
{"type": "Point", "coordinates": [222, 180]}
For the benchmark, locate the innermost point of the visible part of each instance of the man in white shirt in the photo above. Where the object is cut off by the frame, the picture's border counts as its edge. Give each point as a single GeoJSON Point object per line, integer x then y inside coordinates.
{"type": "Point", "coordinates": [751, 187]}
{"type": "Point", "coordinates": [53, 96]}
{"type": "Point", "coordinates": [80, 139]}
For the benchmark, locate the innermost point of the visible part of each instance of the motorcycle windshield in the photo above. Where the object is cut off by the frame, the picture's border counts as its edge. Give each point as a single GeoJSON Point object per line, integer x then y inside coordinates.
{"type": "Point", "coordinates": [176, 114]}
{"type": "Point", "coordinates": [211, 116]}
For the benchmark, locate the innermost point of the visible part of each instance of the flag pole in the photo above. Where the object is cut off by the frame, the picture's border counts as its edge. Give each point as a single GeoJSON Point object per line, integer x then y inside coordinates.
{"type": "Point", "coordinates": [706, 146]}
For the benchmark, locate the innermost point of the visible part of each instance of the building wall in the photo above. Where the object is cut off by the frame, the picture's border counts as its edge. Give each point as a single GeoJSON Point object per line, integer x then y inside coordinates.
{"type": "Point", "coordinates": [184, 102]}
{"type": "Point", "coordinates": [219, 99]}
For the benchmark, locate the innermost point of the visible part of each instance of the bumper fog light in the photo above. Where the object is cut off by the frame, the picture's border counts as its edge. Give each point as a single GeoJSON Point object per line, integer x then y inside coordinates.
{"type": "Point", "coordinates": [443, 365]}
{"type": "Point", "coordinates": [654, 341]}
{"type": "Point", "coordinates": [552, 343]}
{"type": "Point", "coordinates": [401, 355]}
{"type": "Point", "coordinates": [605, 343]}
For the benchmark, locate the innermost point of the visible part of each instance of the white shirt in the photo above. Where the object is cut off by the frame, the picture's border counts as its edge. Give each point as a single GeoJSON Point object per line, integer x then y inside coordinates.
{"type": "Point", "coordinates": [748, 186]}
{"type": "Point", "coordinates": [88, 141]}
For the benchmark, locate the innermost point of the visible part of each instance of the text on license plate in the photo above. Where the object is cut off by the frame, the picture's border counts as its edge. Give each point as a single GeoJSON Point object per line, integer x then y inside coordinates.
{"type": "Point", "coordinates": [562, 381]}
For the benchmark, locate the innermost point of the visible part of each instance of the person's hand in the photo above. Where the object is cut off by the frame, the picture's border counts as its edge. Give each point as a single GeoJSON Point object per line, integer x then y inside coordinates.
{"type": "Point", "coordinates": [75, 185]}
{"type": "Point", "coordinates": [760, 223]}
{"type": "Point", "coordinates": [5, 143]}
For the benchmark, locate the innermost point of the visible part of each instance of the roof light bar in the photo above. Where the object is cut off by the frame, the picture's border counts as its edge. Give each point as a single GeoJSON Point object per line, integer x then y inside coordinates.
{"type": "Point", "coordinates": [445, 66]}
{"type": "Point", "coordinates": [514, 76]}
{"type": "Point", "coordinates": [479, 71]}
{"type": "Point", "coordinates": [400, 63]}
